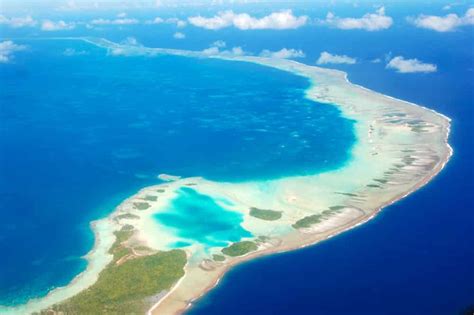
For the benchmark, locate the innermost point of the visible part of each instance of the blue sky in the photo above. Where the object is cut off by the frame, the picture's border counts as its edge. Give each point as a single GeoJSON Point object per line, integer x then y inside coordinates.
{"type": "Point", "coordinates": [182, 18]}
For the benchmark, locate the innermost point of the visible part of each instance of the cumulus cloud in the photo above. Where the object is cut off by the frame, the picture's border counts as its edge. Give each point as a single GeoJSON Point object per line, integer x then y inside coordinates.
{"type": "Point", "coordinates": [179, 35]}
{"type": "Point", "coordinates": [130, 41]}
{"type": "Point", "coordinates": [449, 6]}
{"type": "Point", "coordinates": [120, 21]}
{"type": "Point", "coordinates": [219, 44]}
{"type": "Point", "coordinates": [243, 21]}
{"type": "Point", "coordinates": [118, 52]}
{"type": "Point", "coordinates": [72, 5]}
{"type": "Point", "coordinates": [215, 50]}
{"type": "Point", "coordinates": [125, 48]}
{"type": "Point", "coordinates": [370, 22]}
{"type": "Point", "coordinates": [326, 58]}
{"type": "Point", "coordinates": [73, 52]}
{"type": "Point", "coordinates": [211, 51]}
{"type": "Point", "coordinates": [236, 51]}
{"type": "Point", "coordinates": [158, 20]}
{"type": "Point", "coordinates": [283, 53]}
{"type": "Point", "coordinates": [61, 25]}
{"type": "Point", "coordinates": [445, 23]}
{"type": "Point", "coordinates": [403, 65]}
{"type": "Point", "coordinates": [179, 23]}
{"type": "Point", "coordinates": [7, 49]}
{"type": "Point", "coordinates": [17, 22]}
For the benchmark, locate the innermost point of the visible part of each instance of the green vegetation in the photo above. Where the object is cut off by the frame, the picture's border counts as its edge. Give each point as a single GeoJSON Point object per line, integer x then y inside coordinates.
{"type": "Point", "coordinates": [373, 186]}
{"type": "Point", "coordinates": [160, 190]}
{"type": "Point", "coordinates": [141, 205]}
{"type": "Point", "coordinates": [306, 222]}
{"type": "Point", "coordinates": [142, 248]}
{"type": "Point", "coordinates": [150, 198]}
{"type": "Point", "coordinates": [123, 289]}
{"type": "Point", "coordinates": [381, 180]}
{"type": "Point", "coordinates": [268, 215]}
{"type": "Point", "coordinates": [218, 257]}
{"type": "Point", "coordinates": [127, 216]}
{"type": "Point", "coordinates": [327, 212]}
{"type": "Point", "coordinates": [347, 194]}
{"type": "Point", "coordinates": [262, 239]}
{"type": "Point", "coordinates": [117, 249]}
{"type": "Point", "coordinates": [127, 227]}
{"type": "Point", "coordinates": [408, 160]}
{"type": "Point", "coordinates": [418, 128]}
{"type": "Point", "coordinates": [240, 248]}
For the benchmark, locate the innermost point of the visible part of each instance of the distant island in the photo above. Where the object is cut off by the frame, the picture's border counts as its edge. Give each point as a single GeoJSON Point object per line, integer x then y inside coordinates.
{"type": "Point", "coordinates": [143, 260]}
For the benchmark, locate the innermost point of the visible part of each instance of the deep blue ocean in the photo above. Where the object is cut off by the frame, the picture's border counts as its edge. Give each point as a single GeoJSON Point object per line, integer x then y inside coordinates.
{"type": "Point", "coordinates": [71, 151]}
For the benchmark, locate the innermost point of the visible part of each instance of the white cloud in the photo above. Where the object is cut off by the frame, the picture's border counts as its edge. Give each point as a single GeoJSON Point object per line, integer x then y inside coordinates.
{"type": "Point", "coordinates": [276, 20]}
{"type": "Point", "coordinates": [118, 52]}
{"type": "Point", "coordinates": [445, 23]}
{"type": "Point", "coordinates": [7, 48]}
{"type": "Point", "coordinates": [179, 23]}
{"type": "Point", "coordinates": [449, 6]}
{"type": "Point", "coordinates": [403, 65]}
{"type": "Point", "coordinates": [237, 51]}
{"type": "Point", "coordinates": [370, 22]}
{"type": "Point", "coordinates": [223, 19]}
{"type": "Point", "coordinates": [72, 52]}
{"type": "Point", "coordinates": [17, 22]}
{"type": "Point", "coordinates": [61, 25]}
{"type": "Point", "coordinates": [130, 41]}
{"type": "Point", "coordinates": [283, 53]}
{"type": "Point", "coordinates": [179, 35]}
{"type": "Point", "coordinates": [326, 58]}
{"type": "Point", "coordinates": [121, 15]}
{"type": "Point", "coordinates": [124, 50]}
{"type": "Point", "coordinates": [215, 51]}
{"type": "Point", "coordinates": [72, 5]}
{"type": "Point", "coordinates": [211, 51]}
{"type": "Point", "coordinates": [123, 21]}
{"type": "Point", "coordinates": [158, 20]}
{"type": "Point", "coordinates": [219, 44]}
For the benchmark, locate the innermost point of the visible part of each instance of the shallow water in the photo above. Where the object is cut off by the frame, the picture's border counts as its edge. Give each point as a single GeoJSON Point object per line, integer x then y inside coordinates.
{"type": "Point", "coordinates": [197, 218]}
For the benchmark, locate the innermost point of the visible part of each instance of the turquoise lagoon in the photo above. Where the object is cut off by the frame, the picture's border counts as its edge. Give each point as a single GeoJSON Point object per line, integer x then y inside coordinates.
{"type": "Point", "coordinates": [81, 130]}
{"type": "Point", "coordinates": [198, 218]}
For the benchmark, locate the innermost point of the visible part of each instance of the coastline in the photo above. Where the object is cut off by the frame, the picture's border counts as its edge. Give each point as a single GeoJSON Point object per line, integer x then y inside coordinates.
{"type": "Point", "coordinates": [169, 304]}
{"type": "Point", "coordinates": [259, 254]}
{"type": "Point", "coordinates": [97, 259]}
